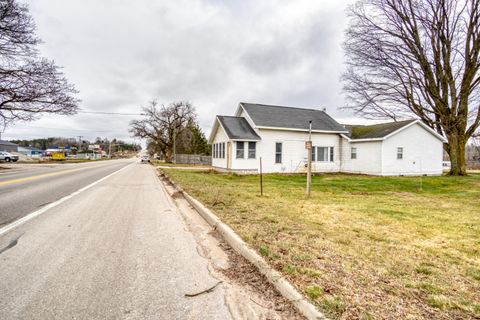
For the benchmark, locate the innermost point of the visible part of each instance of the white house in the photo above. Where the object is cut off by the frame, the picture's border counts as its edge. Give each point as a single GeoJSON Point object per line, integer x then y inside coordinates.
{"type": "Point", "coordinates": [276, 135]}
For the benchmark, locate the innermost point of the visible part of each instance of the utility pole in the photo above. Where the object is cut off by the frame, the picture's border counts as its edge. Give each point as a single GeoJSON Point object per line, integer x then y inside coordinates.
{"type": "Point", "coordinates": [309, 146]}
{"type": "Point", "coordinates": [79, 143]}
{"type": "Point", "coordinates": [174, 145]}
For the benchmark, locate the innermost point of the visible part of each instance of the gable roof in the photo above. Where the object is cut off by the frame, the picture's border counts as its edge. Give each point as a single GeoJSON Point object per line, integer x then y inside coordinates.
{"type": "Point", "coordinates": [380, 130]}
{"type": "Point", "coordinates": [270, 116]}
{"type": "Point", "coordinates": [237, 128]}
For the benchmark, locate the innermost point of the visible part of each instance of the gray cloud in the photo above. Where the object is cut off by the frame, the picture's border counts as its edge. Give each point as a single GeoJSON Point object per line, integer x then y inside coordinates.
{"type": "Point", "coordinates": [121, 54]}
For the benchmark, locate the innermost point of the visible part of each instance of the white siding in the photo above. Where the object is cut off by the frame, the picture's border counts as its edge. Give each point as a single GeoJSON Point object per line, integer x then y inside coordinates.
{"type": "Point", "coordinates": [294, 154]}
{"type": "Point", "coordinates": [369, 157]}
{"type": "Point", "coordinates": [220, 136]}
{"type": "Point", "coordinates": [422, 153]}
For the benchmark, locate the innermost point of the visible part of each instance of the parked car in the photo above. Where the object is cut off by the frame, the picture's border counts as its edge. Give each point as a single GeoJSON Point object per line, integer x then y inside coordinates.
{"type": "Point", "coordinates": [7, 156]}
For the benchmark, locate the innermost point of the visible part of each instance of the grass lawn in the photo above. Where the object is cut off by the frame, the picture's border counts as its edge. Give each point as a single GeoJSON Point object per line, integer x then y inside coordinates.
{"type": "Point", "coordinates": [360, 247]}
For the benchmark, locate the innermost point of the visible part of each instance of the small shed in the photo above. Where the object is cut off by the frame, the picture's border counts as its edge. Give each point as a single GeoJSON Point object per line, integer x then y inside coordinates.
{"type": "Point", "coordinates": [8, 146]}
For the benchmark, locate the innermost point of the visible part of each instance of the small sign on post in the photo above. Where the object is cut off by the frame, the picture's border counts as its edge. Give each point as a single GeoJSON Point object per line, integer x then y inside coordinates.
{"type": "Point", "coordinates": [308, 145]}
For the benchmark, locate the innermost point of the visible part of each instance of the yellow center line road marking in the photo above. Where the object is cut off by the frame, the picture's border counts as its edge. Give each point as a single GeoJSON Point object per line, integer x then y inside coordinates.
{"type": "Point", "coordinates": [42, 210]}
{"type": "Point", "coordinates": [45, 175]}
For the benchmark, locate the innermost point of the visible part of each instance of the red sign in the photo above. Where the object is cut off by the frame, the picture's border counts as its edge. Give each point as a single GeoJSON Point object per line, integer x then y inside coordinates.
{"type": "Point", "coordinates": [308, 145]}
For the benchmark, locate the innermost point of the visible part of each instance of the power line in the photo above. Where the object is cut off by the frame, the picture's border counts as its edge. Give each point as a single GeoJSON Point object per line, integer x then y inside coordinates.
{"type": "Point", "coordinates": [113, 113]}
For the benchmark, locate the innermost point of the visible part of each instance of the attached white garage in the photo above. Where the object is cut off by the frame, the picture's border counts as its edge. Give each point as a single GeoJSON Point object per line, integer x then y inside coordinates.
{"type": "Point", "coordinates": [395, 148]}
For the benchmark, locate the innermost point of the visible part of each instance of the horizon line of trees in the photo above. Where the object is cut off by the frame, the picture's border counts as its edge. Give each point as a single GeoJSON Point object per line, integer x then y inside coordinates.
{"type": "Point", "coordinates": [115, 145]}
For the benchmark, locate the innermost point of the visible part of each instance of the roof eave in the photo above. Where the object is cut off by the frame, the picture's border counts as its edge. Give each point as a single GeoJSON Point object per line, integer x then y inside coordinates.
{"type": "Point", "coordinates": [423, 125]}
{"type": "Point", "coordinates": [254, 139]}
{"type": "Point", "coordinates": [216, 123]}
{"type": "Point", "coordinates": [300, 130]}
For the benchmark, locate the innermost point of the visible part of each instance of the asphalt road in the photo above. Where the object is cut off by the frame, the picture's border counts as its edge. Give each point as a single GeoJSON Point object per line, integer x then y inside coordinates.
{"type": "Point", "coordinates": [118, 250]}
{"type": "Point", "coordinates": [25, 188]}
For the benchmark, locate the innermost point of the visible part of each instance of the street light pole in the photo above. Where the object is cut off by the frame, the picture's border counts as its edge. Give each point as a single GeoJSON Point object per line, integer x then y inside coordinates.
{"type": "Point", "coordinates": [309, 159]}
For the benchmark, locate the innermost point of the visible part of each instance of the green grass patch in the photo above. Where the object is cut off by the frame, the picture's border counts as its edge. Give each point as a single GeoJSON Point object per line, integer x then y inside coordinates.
{"type": "Point", "coordinates": [314, 292]}
{"type": "Point", "coordinates": [359, 238]}
{"type": "Point", "coordinates": [474, 273]}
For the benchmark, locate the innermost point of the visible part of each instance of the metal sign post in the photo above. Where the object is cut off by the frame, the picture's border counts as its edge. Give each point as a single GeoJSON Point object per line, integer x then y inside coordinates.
{"type": "Point", "coordinates": [261, 178]}
{"type": "Point", "coordinates": [308, 146]}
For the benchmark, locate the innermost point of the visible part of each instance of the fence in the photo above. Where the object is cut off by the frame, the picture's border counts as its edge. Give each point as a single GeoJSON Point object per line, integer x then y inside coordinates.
{"type": "Point", "coordinates": [193, 159]}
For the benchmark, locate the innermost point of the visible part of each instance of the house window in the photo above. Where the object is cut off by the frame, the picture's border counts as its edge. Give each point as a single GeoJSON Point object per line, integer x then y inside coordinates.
{"type": "Point", "coordinates": [353, 153]}
{"type": "Point", "coordinates": [278, 152]}
{"type": "Point", "coordinates": [313, 153]}
{"type": "Point", "coordinates": [252, 150]}
{"type": "Point", "coordinates": [240, 149]}
{"type": "Point", "coordinates": [215, 150]}
{"type": "Point", "coordinates": [399, 153]}
{"type": "Point", "coordinates": [223, 150]}
{"type": "Point", "coordinates": [322, 154]}
{"type": "Point", "coordinates": [325, 154]}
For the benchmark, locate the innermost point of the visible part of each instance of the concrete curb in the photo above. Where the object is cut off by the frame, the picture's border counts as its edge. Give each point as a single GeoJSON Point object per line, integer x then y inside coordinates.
{"type": "Point", "coordinates": [276, 279]}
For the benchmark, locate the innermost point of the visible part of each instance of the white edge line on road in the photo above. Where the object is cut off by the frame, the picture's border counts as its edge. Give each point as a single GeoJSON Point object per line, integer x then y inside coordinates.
{"type": "Point", "coordinates": [35, 214]}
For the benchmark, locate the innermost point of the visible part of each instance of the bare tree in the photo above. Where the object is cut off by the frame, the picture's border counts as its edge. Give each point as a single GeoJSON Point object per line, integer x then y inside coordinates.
{"type": "Point", "coordinates": [29, 85]}
{"type": "Point", "coordinates": [417, 58]}
{"type": "Point", "coordinates": [163, 124]}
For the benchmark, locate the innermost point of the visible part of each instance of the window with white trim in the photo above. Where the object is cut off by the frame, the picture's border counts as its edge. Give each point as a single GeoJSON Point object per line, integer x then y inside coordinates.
{"type": "Point", "coordinates": [252, 150]}
{"type": "Point", "coordinates": [325, 154]}
{"type": "Point", "coordinates": [278, 152]}
{"type": "Point", "coordinates": [240, 149]}
{"type": "Point", "coordinates": [353, 153]}
{"type": "Point", "coordinates": [218, 150]}
{"type": "Point", "coordinates": [400, 153]}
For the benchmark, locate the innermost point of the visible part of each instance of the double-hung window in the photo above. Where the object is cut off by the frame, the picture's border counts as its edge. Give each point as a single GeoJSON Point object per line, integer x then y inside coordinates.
{"type": "Point", "coordinates": [278, 152]}
{"type": "Point", "coordinates": [240, 149]}
{"type": "Point", "coordinates": [353, 153]}
{"type": "Point", "coordinates": [400, 153]}
{"type": "Point", "coordinates": [325, 154]}
{"type": "Point", "coordinates": [252, 150]}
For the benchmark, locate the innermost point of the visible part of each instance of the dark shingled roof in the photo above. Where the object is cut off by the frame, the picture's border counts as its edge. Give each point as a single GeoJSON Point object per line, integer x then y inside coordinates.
{"type": "Point", "coordinates": [288, 117]}
{"type": "Point", "coordinates": [238, 128]}
{"type": "Point", "coordinates": [380, 130]}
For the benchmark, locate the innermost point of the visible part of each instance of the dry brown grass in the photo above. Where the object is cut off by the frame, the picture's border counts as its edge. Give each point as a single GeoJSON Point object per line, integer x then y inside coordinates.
{"type": "Point", "coordinates": [360, 247]}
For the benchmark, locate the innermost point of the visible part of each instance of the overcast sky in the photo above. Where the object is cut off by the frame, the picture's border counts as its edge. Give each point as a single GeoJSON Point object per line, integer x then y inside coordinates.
{"type": "Point", "coordinates": [120, 54]}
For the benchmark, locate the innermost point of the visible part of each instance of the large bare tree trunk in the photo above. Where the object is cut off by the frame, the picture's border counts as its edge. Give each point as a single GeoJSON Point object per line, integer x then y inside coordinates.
{"type": "Point", "coordinates": [420, 59]}
{"type": "Point", "coordinates": [456, 152]}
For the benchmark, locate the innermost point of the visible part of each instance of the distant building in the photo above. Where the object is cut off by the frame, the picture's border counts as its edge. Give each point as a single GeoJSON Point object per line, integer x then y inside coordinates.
{"type": "Point", "coordinates": [31, 152]}
{"type": "Point", "coordinates": [8, 146]}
